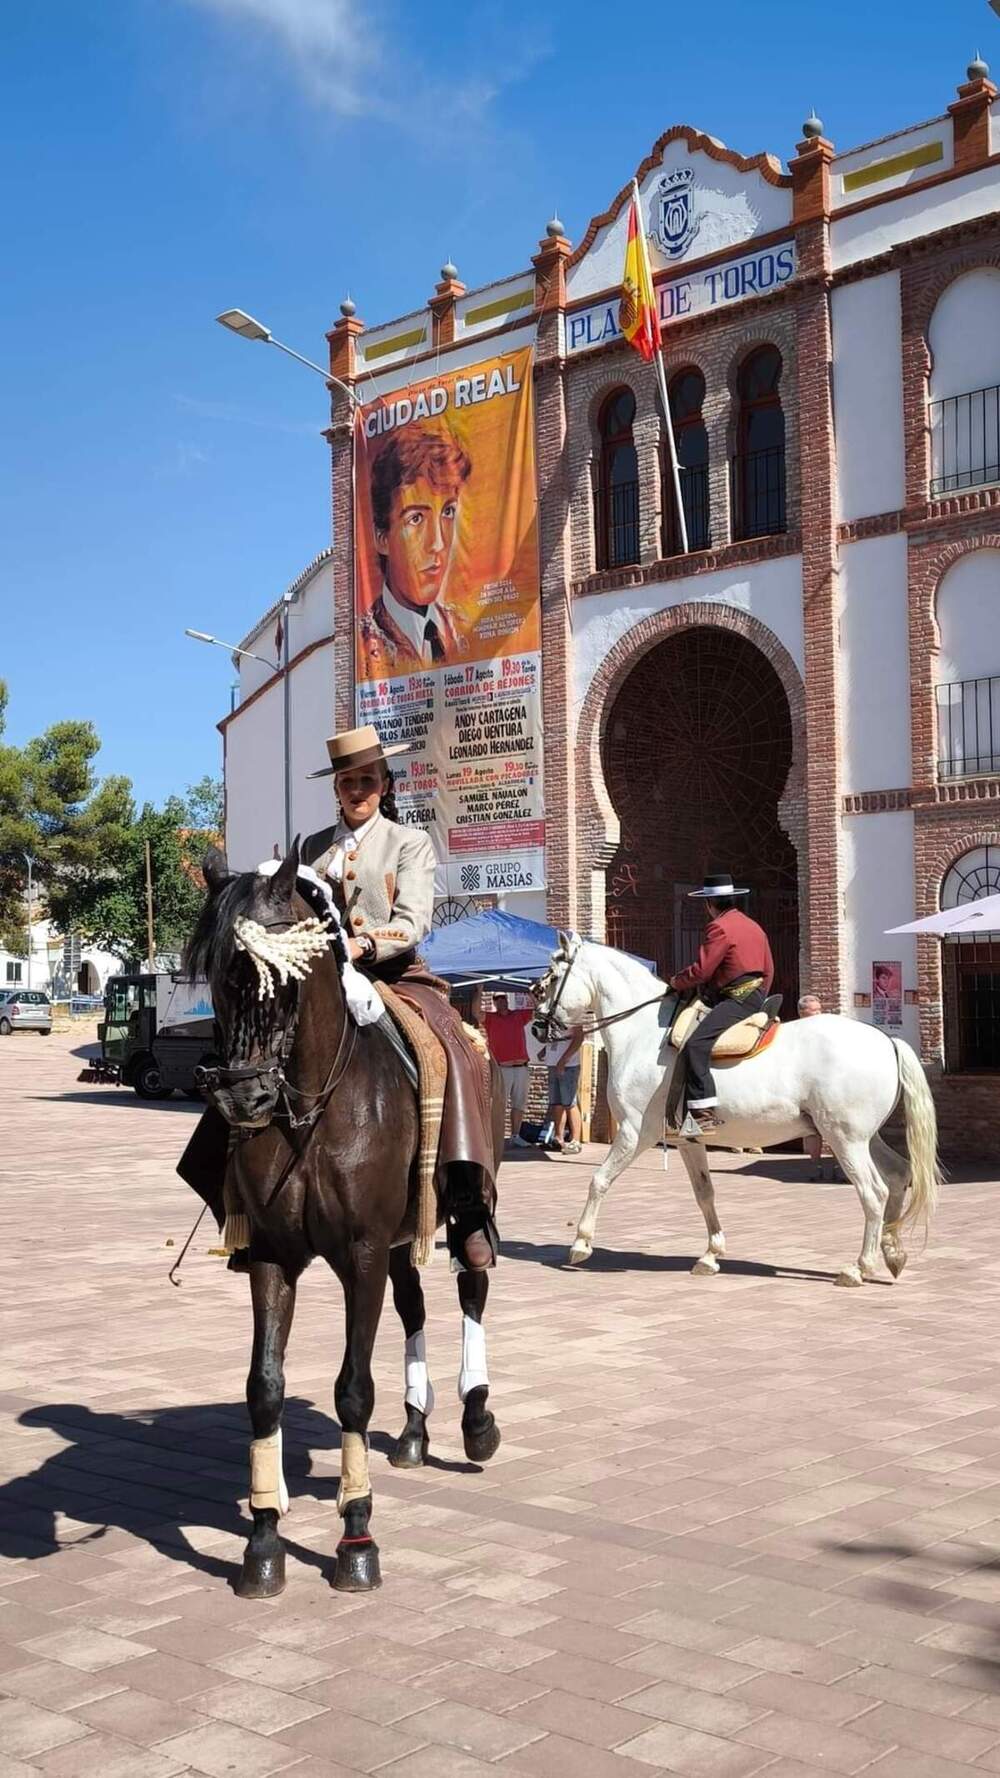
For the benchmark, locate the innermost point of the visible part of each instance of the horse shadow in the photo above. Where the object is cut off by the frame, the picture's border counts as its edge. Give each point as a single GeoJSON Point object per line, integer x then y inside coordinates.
{"type": "Point", "coordinates": [150, 1474]}
{"type": "Point", "coordinates": [903, 1595]}
{"type": "Point", "coordinates": [605, 1259]}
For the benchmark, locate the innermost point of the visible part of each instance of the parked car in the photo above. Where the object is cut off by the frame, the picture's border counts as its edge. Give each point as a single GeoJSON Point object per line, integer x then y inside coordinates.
{"type": "Point", "coordinates": [25, 1009]}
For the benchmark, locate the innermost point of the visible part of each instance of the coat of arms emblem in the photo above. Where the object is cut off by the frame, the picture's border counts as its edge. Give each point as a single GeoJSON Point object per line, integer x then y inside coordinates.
{"type": "Point", "coordinates": [674, 226]}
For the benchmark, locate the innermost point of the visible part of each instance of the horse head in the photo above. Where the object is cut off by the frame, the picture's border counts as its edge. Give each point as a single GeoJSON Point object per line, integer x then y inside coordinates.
{"type": "Point", "coordinates": [254, 943]}
{"type": "Point", "coordinates": [563, 995]}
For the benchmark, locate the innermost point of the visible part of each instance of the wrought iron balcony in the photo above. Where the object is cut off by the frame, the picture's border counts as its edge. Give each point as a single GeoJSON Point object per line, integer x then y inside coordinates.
{"type": "Point", "coordinates": [968, 727]}
{"type": "Point", "coordinates": [757, 483]}
{"type": "Point", "coordinates": [965, 441]}
{"type": "Point", "coordinates": [695, 495]}
{"type": "Point", "coordinates": [616, 525]}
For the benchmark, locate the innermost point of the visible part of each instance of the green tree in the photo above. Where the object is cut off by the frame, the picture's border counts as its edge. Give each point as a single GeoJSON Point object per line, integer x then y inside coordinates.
{"type": "Point", "coordinates": [203, 806]}
{"type": "Point", "coordinates": [111, 910]}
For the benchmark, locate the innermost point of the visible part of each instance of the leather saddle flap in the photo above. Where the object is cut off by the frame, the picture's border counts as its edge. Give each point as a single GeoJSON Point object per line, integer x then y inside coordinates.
{"type": "Point", "coordinates": [738, 1041]}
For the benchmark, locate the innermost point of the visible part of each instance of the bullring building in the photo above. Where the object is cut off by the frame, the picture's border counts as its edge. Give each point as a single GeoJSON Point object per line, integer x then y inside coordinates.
{"type": "Point", "coordinates": [809, 695]}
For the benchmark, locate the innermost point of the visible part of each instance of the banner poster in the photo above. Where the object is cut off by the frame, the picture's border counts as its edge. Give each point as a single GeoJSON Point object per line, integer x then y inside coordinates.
{"type": "Point", "coordinates": [887, 994]}
{"type": "Point", "coordinates": [448, 619]}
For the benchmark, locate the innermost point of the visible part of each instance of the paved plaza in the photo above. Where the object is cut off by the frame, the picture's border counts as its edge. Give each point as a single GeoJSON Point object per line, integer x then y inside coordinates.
{"type": "Point", "coordinates": [737, 1525]}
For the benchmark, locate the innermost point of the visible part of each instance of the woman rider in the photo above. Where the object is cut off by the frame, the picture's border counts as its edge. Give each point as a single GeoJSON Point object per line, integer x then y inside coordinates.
{"type": "Point", "coordinates": [382, 878]}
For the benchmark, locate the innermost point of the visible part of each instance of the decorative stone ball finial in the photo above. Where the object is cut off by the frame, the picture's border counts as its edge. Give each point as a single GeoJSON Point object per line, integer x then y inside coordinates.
{"type": "Point", "coordinates": [348, 308]}
{"type": "Point", "coordinates": [978, 69]}
{"type": "Point", "coordinates": [812, 129]}
{"type": "Point", "coordinates": [554, 228]}
{"type": "Point", "coordinates": [449, 271]}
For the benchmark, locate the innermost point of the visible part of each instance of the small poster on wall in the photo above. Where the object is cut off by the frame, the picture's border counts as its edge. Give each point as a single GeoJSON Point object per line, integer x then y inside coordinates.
{"type": "Point", "coordinates": [887, 994]}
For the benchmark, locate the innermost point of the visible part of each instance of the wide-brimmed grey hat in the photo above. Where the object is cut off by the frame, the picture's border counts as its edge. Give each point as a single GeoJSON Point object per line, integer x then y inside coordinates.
{"type": "Point", "coordinates": [716, 888]}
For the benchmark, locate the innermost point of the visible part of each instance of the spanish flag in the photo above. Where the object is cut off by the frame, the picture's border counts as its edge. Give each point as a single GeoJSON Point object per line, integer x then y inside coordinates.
{"type": "Point", "coordinates": [637, 316]}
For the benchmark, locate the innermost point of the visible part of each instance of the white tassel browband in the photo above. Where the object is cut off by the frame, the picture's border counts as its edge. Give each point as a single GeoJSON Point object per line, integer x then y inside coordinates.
{"type": "Point", "coordinates": [288, 954]}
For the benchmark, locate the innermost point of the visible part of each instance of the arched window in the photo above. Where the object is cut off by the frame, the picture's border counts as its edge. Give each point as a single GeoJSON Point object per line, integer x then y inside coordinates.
{"type": "Point", "coordinates": [617, 496]}
{"type": "Point", "coordinates": [758, 481]}
{"type": "Point", "coordinates": [967, 692]}
{"type": "Point", "coordinates": [687, 393]}
{"type": "Point", "coordinates": [971, 970]}
{"type": "Point", "coordinates": [964, 392]}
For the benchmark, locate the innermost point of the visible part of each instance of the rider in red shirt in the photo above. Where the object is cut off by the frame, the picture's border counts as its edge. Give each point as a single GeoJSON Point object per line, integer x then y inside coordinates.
{"type": "Point", "coordinates": [734, 972]}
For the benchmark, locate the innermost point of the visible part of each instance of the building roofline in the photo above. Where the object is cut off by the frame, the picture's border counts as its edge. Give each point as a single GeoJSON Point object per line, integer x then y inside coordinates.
{"type": "Point", "coordinates": [325, 555]}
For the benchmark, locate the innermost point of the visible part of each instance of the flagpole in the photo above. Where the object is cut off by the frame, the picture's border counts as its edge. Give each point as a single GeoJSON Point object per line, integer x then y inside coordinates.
{"type": "Point", "coordinates": [661, 378]}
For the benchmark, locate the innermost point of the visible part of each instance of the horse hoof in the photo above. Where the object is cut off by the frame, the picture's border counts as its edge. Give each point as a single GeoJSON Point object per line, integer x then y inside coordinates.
{"type": "Point", "coordinates": [410, 1451]}
{"type": "Point", "coordinates": [850, 1278]}
{"type": "Point", "coordinates": [579, 1252]}
{"type": "Point", "coordinates": [895, 1261]}
{"type": "Point", "coordinates": [481, 1443]}
{"type": "Point", "coordinates": [262, 1575]}
{"type": "Point", "coordinates": [705, 1268]}
{"type": "Point", "coordinates": [357, 1568]}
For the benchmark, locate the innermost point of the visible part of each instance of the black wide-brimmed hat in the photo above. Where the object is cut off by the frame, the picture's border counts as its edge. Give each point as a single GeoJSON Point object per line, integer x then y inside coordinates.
{"type": "Point", "coordinates": [716, 888]}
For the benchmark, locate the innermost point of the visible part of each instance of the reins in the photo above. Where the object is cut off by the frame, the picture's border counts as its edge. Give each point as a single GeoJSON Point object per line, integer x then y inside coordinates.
{"type": "Point", "coordinates": [615, 1018]}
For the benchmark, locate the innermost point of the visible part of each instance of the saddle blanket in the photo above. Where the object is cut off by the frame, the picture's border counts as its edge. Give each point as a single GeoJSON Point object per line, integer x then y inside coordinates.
{"type": "Point", "coordinates": [738, 1042]}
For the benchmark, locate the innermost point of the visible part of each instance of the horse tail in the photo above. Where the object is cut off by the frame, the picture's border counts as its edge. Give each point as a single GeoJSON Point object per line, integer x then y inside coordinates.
{"type": "Point", "coordinates": [921, 1136]}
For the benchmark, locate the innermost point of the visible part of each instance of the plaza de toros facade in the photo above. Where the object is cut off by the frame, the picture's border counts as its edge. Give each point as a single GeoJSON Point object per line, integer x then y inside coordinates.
{"type": "Point", "coordinates": [810, 695]}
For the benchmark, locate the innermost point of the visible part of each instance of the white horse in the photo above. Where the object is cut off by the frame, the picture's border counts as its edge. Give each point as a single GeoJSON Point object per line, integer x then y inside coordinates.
{"type": "Point", "coordinates": [827, 1074]}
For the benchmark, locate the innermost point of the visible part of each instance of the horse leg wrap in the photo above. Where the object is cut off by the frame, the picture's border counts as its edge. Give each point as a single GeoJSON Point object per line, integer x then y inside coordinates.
{"type": "Point", "coordinates": [354, 1482]}
{"type": "Point", "coordinates": [267, 1482]}
{"type": "Point", "coordinates": [419, 1391]}
{"type": "Point", "coordinates": [473, 1374]}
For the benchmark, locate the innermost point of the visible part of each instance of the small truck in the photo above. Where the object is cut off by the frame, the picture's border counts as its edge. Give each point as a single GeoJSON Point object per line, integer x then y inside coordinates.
{"type": "Point", "coordinates": [155, 1032]}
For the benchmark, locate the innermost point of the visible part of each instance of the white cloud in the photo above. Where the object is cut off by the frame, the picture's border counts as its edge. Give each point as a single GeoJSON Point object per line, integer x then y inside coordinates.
{"type": "Point", "coordinates": [352, 59]}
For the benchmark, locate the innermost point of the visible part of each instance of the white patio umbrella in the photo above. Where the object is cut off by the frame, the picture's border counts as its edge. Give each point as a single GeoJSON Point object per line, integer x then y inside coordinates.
{"type": "Point", "coordinates": [969, 918]}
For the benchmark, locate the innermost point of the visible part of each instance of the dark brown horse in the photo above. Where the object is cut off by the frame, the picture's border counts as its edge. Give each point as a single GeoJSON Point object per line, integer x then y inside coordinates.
{"type": "Point", "coordinates": [321, 1123]}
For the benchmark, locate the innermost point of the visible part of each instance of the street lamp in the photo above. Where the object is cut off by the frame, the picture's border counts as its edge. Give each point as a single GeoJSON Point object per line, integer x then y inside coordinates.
{"type": "Point", "coordinates": [238, 321]}
{"type": "Point", "coordinates": [29, 861]}
{"type": "Point", "coordinates": [202, 636]}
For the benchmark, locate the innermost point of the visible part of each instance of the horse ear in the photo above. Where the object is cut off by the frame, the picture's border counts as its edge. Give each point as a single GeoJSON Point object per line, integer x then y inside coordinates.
{"type": "Point", "coordinates": [280, 886]}
{"type": "Point", "coordinates": [215, 869]}
{"type": "Point", "coordinates": [564, 943]}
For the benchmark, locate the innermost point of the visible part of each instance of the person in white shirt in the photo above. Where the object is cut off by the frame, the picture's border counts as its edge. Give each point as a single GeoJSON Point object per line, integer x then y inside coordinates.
{"type": "Point", "coordinates": [416, 486]}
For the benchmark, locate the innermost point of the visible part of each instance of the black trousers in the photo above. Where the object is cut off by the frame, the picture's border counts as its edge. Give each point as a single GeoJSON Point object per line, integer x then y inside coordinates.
{"type": "Point", "coordinates": [698, 1049]}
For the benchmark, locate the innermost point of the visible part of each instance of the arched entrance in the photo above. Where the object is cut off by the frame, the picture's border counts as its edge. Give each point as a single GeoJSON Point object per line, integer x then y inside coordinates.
{"type": "Point", "coordinates": [696, 752]}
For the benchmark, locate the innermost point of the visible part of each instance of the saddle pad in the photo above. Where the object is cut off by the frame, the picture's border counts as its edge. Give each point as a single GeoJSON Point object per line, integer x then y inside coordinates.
{"type": "Point", "coordinates": [735, 1043]}
{"type": "Point", "coordinates": [432, 1072]}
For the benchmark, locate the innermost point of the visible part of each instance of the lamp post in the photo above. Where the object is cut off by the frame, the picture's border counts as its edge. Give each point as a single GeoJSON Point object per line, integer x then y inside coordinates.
{"type": "Point", "coordinates": [29, 861]}
{"type": "Point", "coordinates": [239, 322]}
{"type": "Point", "coordinates": [281, 667]}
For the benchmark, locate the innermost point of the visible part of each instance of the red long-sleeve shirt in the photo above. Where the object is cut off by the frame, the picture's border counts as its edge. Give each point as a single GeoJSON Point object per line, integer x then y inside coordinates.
{"type": "Point", "coordinates": [733, 946]}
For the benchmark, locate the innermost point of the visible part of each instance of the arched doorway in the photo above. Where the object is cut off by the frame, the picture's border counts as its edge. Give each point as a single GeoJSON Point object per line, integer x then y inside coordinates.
{"type": "Point", "coordinates": [696, 753]}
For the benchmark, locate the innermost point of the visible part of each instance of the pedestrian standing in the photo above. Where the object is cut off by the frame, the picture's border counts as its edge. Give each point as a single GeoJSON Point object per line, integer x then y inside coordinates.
{"type": "Point", "coordinates": [809, 1005]}
{"type": "Point", "coordinates": [505, 1027]}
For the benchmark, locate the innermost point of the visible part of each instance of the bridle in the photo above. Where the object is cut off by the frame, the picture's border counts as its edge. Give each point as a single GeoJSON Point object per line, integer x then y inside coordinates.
{"type": "Point", "coordinates": [271, 1071]}
{"type": "Point", "coordinates": [545, 1021]}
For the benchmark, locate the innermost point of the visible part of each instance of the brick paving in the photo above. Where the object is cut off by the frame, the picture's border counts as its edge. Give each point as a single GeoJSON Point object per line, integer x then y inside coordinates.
{"type": "Point", "coordinates": [738, 1525]}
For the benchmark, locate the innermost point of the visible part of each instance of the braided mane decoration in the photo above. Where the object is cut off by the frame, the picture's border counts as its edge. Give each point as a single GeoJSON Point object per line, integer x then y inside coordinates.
{"type": "Point", "coordinates": [288, 954]}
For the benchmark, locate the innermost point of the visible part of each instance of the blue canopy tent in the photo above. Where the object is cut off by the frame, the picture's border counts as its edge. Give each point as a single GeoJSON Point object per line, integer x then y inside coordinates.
{"type": "Point", "coordinates": [492, 948]}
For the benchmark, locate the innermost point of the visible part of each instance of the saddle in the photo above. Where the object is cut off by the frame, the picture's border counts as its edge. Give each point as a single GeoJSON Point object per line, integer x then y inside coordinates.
{"type": "Point", "coordinates": [738, 1043]}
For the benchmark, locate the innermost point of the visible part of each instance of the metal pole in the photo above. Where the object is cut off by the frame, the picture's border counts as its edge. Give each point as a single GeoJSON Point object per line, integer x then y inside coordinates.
{"type": "Point", "coordinates": [287, 717]}
{"type": "Point", "coordinates": [29, 861]}
{"type": "Point", "coordinates": [661, 379]}
{"type": "Point", "coordinates": [149, 911]}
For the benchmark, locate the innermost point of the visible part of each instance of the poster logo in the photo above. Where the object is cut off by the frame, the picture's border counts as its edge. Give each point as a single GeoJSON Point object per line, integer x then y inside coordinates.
{"type": "Point", "coordinates": [674, 224]}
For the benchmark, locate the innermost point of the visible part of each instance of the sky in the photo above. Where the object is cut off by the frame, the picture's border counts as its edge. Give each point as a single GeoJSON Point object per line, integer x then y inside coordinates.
{"type": "Point", "coordinates": [167, 159]}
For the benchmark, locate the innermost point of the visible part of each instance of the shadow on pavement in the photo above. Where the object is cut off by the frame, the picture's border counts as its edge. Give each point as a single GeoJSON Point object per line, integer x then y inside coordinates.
{"type": "Point", "coordinates": [152, 1474]}
{"type": "Point", "coordinates": [118, 1096]}
{"type": "Point", "coordinates": [921, 1597]}
{"type": "Point", "coordinates": [603, 1259]}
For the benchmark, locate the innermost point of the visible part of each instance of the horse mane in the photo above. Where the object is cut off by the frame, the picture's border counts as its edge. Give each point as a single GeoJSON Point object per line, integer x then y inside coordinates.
{"type": "Point", "coordinates": [629, 968]}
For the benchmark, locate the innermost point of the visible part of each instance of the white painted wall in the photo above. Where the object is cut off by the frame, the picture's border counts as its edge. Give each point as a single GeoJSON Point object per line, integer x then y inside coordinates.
{"type": "Point", "coordinates": [254, 762]}
{"type": "Point", "coordinates": [968, 615]}
{"type": "Point", "coordinates": [874, 665]}
{"type": "Point", "coordinates": [877, 855]}
{"type": "Point", "coordinates": [915, 213]}
{"type": "Point", "coordinates": [964, 334]}
{"type": "Point", "coordinates": [868, 396]}
{"type": "Point", "coordinates": [938, 131]}
{"type": "Point", "coordinates": [769, 591]}
{"type": "Point", "coordinates": [310, 620]}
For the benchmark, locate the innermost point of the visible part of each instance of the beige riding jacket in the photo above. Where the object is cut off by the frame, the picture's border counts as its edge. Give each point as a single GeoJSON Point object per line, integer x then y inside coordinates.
{"type": "Point", "coordinates": [387, 886]}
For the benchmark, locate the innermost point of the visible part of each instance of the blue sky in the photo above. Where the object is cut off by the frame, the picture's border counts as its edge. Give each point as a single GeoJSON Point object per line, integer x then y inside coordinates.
{"type": "Point", "coordinates": [170, 158]}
